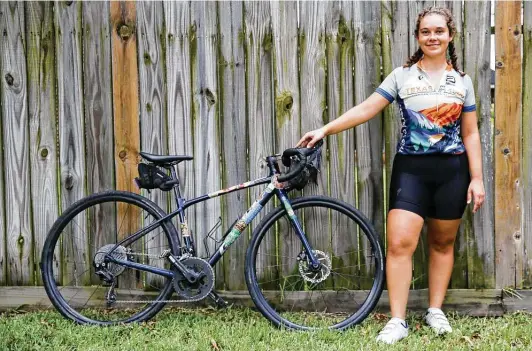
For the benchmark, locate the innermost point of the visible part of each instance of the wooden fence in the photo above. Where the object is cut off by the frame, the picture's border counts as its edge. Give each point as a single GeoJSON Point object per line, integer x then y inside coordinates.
{"type": "Point", "coordinates": [87, 85]}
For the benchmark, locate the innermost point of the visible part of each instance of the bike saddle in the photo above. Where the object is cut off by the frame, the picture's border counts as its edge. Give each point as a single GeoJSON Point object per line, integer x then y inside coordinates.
{"type": "Point", "coordinates": [164, 159]}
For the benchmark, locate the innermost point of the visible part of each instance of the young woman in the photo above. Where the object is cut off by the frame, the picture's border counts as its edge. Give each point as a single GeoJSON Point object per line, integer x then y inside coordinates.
{"type": "Point", "coordinates": [433, 177]}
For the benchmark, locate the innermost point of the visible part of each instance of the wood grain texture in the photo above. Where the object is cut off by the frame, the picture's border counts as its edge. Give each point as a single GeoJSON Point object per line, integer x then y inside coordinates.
{"type": "Point", "coordinates": [234, 141]}
{"type": "Point", "coordinates": [206, 111]}
{"type": "Point", "coordinates": [287, 103]}
{"type": "Point", "coordinates": [40, 39]}
{"type": "Point", "coordinates": [369, 137]}
{"type": "Point", "coordinates": [153, 128]}
{"type": "Point", "coordinates": [19, 236]}
{"type": "Point", "coordinates": [526, 165]}
{"type": "Point", "coordinates": [313, 82]}
{"type": "Point", "coordinates": [260, 126]}
{"type": "Point", "coordinates": [341, 155]}
{"type": "Point", "coordinates": [125, 93]}
{"type": "Point", "coordinates": [477, 231]}
{"type": "Point", "coordinates": [71, 137]}
{"type": "Point", "coordinates": [507, 150]}
{"type": "Point", "coordinates": [98, 96]}
{"type": "Point", "coordinates": [98, 118]}
{"type": "Point", "coordinates": [126, 113]}
{"type": "Point", "coordinates": [179, 89]}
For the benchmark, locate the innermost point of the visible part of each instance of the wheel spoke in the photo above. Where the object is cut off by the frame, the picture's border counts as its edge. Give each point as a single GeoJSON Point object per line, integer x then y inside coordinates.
{"type": "Point", "coordinates": [85, 303]}
{"type": "Point", "coordinates": [316, 298]}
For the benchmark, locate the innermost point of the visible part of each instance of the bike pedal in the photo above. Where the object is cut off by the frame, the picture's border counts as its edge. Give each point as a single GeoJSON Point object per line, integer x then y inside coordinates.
{"type": "Point", "coordinates": [220, 303]}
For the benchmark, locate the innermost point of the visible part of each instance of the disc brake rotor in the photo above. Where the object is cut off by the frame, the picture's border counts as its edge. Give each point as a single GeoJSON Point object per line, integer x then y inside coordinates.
{"type": "Point", "coordinates": [197, 290]}
{"type": "Point", "coordinates": [119, 254]}
{"type": "Point", "coordinates": [316, 276]}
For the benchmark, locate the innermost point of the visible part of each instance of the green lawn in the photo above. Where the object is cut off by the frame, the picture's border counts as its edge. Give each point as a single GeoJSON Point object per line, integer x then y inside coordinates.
{"type": "Point", "coordinates": [245, 329]}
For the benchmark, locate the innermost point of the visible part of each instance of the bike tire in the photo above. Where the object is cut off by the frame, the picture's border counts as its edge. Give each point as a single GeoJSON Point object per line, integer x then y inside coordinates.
{"type": "Point", "coordinates": [333, 210]}
{"type": "Point", "coordinates": [86, 213]}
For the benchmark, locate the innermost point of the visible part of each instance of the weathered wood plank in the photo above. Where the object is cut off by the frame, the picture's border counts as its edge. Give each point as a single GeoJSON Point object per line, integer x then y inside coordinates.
{"type": "Point", "coordinates": [126, 113]}
{"type": "Point", "coordinates": [479, 231]}
{"type": "Point", "coordinates": [287, 103]}
{"type": "Point", "coordinates": [179, 89]}
{"type": "Point", "coordinates": [125, 93]}
{"type": "Point", "coordinates": [206, 117]}
{"type": "Point", "coordinates": [234, 143]}
{"type": "Point", "coordinates": [98, 118]}
{"type": "Point", "coordinates": [260, 121]}
{"type": "Point", "coordinates": [42, 121]}
{"type": "Point", "coordinates": [480, 303]}
{"type": "Point", "coordinates": [339, 34]}
{"type": "Point", "coordinates": [98, 96]}
{"type": "Point", "coordinates": [369, 138]}
{"type": "Point", "coordinates": [153, 131]}
{"type": "Point", "coordinates": [526, 164]}
{"type": "Point", "coordinates": [508, 93]}
{"type": "Point", "coordinates": [313, 80]}
{"type": "Point", "coordinates": [19, 236]}
{"type": "Point", "coordinates": [71, 139]}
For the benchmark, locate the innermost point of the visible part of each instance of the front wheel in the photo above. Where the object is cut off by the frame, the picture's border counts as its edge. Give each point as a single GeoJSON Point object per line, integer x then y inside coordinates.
{"type": "Point", "coordinates": [289, 292]}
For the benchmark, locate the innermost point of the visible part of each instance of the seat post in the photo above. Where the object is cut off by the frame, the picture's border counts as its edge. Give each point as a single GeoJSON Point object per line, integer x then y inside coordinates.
{"type": "Point", "coordinates": [177, 192]}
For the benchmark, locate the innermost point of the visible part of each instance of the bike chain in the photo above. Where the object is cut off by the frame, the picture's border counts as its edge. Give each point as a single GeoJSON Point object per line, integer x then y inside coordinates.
{"type": "Point", "coordinates": [160, 301]}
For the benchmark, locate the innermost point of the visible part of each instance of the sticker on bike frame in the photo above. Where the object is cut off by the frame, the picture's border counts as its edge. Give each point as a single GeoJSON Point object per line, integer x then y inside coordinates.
{"type": "Point", "coordinates": [236, 187]}
{"type": "Point", "coordinates": [288, 207]}
{"type": "Point", "coordinates": [184, 228]}
{"type": "Point", "coordinates": [243, 222]}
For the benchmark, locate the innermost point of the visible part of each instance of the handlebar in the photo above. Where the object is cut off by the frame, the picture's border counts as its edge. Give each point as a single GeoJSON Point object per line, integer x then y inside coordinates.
{"type": "Point", "coordinates": [301, 153]}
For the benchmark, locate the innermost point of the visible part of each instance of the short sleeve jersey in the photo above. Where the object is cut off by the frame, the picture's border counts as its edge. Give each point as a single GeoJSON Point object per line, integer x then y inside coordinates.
{"type": "Point", "coordinates": [430, 115]}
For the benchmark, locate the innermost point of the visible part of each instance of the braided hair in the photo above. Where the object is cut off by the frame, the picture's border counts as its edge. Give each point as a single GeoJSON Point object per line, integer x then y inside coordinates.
{"type": "Point", "coordinates": [445, 13]}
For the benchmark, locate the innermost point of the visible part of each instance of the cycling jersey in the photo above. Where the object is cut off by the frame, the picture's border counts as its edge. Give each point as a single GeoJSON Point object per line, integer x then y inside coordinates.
{"type": "Point", "coordinates": [430, 115]}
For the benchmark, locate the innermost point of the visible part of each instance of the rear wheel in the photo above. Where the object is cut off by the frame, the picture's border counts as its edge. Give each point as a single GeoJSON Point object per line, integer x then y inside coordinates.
{"type": "Point", "coordinates": [78, 281]}
{"type": "Point", "coordinates": [289, 292]}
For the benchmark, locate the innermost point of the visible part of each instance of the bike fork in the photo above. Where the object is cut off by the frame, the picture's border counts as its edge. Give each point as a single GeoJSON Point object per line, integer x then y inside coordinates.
{"type": "Point", "coordinates": [282, 195]}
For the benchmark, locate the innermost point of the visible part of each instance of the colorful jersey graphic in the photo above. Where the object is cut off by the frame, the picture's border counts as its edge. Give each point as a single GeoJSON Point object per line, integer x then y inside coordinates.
{"type": "Point", "coordinates": [430, 115]}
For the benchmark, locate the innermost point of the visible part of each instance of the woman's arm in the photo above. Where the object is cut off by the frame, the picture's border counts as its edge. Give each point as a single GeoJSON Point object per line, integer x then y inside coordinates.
{"type": "Point", "coordinates": [471, 139]}
{"type": "Point", "coordinates": [353, 117]}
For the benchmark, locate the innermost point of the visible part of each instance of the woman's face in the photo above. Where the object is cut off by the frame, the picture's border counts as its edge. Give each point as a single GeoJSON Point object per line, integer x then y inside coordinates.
{"type": "Point", "coordinates": [433, 35]}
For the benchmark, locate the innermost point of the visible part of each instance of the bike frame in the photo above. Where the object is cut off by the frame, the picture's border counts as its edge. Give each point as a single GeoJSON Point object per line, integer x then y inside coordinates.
{"type": "Point", "coordinates": [274, 188]}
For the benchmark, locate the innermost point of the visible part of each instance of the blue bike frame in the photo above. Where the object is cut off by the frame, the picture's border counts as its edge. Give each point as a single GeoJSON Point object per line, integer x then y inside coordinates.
{"type": "Point", "coordinates": [273, 188]}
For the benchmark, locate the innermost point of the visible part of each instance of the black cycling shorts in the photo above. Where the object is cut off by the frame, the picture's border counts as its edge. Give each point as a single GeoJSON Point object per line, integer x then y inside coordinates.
{"type": "Point", "coordinates": [432, 186]}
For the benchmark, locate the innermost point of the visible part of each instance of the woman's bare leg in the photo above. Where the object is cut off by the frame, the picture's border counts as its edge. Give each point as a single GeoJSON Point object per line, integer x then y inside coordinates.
{"type": "Point", "coordinates": [403, 229]}
{"type": "Point", "coordinates": [441, 238]}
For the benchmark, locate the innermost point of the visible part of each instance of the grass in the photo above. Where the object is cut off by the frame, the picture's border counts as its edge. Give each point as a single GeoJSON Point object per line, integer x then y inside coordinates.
{"type": "Point", "coordinates": [245, 329]}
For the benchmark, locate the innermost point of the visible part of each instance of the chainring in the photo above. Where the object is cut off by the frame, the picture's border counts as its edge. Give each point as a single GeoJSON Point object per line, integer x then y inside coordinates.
{"type": "Point", "coordinates": [312, 276]}
{"type": "Point", "coordinates": [119, 254]}
{"type": "Point", "coordinates": [200, 289]}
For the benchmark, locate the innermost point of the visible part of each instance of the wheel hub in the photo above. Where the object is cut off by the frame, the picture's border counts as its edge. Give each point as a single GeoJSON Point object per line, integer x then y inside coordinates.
{"type": "Point", "coordinates": [313, 275]}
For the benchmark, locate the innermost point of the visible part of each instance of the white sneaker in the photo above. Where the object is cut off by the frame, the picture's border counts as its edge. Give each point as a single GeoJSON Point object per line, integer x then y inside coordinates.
{"type": "Point", "coordinates": [395, 330]}
{"type": "Point", "coordinates": [436, 319]}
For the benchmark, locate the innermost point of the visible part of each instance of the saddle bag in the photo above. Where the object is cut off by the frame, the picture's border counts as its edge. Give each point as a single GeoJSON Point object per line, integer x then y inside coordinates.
{"type": "Point", "coordinates": [152, 177]}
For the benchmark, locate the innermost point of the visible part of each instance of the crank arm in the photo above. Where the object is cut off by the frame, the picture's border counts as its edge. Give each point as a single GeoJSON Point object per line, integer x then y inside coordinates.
{"type": "Point", "coordinates": [189, 275]}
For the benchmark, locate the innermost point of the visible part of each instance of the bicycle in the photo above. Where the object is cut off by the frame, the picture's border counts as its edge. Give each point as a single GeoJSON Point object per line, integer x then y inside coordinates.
{"type": "Point", "coordinates": [136, 259]}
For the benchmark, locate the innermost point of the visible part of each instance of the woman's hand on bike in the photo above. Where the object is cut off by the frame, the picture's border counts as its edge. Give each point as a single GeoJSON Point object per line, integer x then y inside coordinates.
{"type": "Point", "coordinates": [311, 138]}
